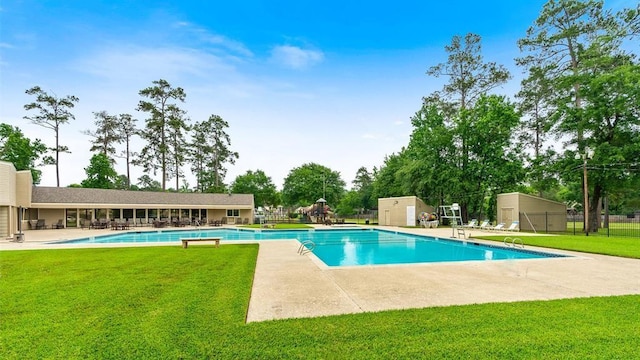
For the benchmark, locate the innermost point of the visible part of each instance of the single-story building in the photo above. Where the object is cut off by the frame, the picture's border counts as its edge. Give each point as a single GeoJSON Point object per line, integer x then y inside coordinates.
{"type": "Point", "coordinates": [77, 207]}
{"type": "Point", "coordinates": [401, 211]}
{"type": "Point", "coordinates": [532, 212]}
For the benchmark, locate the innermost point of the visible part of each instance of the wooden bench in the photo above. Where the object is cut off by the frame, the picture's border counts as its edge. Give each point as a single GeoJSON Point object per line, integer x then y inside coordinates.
{"type": "Point", "coordinates": [185, 241]}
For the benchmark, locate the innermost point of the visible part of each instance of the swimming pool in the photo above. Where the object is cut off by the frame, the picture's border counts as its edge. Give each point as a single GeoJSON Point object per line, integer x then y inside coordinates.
{"type": "Point", "coordinates": [345, 247]}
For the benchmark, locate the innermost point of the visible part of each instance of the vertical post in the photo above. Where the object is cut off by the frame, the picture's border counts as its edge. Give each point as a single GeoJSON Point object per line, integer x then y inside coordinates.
{"type": "Point", "coordinates": [586, 197]}
{"type": "Point", "coordinates": [546, 222]}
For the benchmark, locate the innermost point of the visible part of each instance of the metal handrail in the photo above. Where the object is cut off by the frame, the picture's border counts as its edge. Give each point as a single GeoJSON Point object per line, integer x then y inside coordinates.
{"type": "Point", "coordinates": [513, 241]}
{"type": "Point", "coordinates": [303, 249]}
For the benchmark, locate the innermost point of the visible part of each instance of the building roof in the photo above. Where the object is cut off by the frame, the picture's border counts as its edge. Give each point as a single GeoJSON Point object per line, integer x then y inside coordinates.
{"type": "Point", "coordinates": [96, 197]}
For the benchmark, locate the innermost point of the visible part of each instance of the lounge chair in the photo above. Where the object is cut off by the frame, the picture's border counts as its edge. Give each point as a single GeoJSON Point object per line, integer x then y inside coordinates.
{"type": "Point", "coordinates": [485, 225]}
{"type": "Point", "coordinates": [472, 224]}
{"type": "Point", "coordinates": [513, 227]}
{"type": "Point", "coordinates": [498, 227]}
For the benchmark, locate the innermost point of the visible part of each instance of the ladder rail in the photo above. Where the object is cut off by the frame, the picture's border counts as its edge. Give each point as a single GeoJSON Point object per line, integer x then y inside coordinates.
{"type": "Point", "coordinates": [306, 246]}
{"type": "Point", "coordinates": [509, 241]}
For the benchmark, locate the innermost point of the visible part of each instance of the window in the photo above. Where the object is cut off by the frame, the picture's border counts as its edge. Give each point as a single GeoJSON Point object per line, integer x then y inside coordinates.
{"type": "Point", "coordinates": [127, 213]}
{"type": "Point", "coordinates": [101, 213]}
{"type": "Point", "coordinates": [153, 213]}
{"type": "Point", "coordinates": [233, 212]}
{"type": "Point", "coordinates": [86, 214]}
{"type": "Point", "coordinates": [72, 218]}
{"type": "Point", "coordinates": [140, 213]}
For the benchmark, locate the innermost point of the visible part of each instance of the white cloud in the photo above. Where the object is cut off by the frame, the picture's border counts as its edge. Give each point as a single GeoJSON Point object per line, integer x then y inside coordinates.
{"type": "Point", "coordinates": [127, 62]}
{"type": "Point", "coordinates": [295, 57]}
{"type": "Point", "coordinates": [208, 37]}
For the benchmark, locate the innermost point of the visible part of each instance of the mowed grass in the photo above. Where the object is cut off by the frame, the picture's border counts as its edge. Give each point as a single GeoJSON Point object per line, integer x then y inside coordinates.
{"type": "Point", "coordinates": [617, 246]}
{"type": "Point", "coordinates": [168, 302]}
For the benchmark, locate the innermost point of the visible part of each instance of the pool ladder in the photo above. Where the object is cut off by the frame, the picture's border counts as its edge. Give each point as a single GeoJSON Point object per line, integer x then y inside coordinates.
{"type": "Point", "coordinates": [306, 246]}
{"type": "Point", "coordinates": [513, 241]}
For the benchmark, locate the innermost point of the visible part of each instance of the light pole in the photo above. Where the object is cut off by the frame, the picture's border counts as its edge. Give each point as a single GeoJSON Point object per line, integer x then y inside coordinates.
{"type": "Point", "coordinates": [586, 156]}
{"type": "Point", "coordinates": [586, 196]}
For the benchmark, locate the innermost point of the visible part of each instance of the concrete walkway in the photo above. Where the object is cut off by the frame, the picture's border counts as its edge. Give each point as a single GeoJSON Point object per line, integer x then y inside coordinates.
{"type": "Point", "coordinates": [288, 285]}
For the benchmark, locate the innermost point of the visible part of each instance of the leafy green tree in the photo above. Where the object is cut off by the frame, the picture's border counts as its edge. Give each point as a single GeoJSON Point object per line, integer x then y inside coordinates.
{"type": "Point", "coordinates": [571, 43]}
{"type": "Point", "coordinates": [210, 152]}
{"type": "Point", "coordinates": [496, 163]}
{"type": "Point", "coordinates": [146, 183]}
{"type": "Point", "coordinates": [100, 173]}
{"type": "Point", "coordinates": [21, 151]}
{"type": "Point", "coordinates": [259, 184]}
{"type": "Point", "coordinates": [363, 185]}
{"type": "Point", "coordinates": [52, 112]}
{"type": "Point", "coordinates": [178, 148]}
{"type": "Point", "coordinates": [469, 76]}
{"type": "Point", "coordinates": [612, 127]}
{"type": "Point", "coordinates": [469, 79]}
{"type": "Point", "coordinates": [536, 103]}
{"type": "Point", "coordinates": [122, 183]}
{"type": "Point", "coordinates": [127, 129]}
{"type": "Point", "coordinates": [432, 156]}
{"type": "Point", "coordinates": [105, 135]}
{"type": "Point", "coordinates": [156, 154]}
{"type": "Point", "coordinates": [310, 182]}
{"type": "Point", "coordinates": [350, 204]}
{"type": "Point", "coordinates": [386, 182]}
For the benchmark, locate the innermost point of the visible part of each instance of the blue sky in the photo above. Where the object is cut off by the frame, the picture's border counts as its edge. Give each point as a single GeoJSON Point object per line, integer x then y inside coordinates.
{"type": "Point", "coordinates": [330, 82]}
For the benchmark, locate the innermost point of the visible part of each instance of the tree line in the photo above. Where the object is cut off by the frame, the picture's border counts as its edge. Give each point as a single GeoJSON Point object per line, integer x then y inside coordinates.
{"type": "Point", "coordinates": [578, 108]}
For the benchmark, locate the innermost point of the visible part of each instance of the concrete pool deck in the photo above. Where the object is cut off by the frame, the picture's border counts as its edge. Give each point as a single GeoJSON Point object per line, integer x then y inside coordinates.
{"type": "Point", "coordinates": [288, 285]}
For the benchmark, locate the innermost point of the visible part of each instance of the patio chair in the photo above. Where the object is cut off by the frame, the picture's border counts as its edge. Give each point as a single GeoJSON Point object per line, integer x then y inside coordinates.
{"type": "Point", "coordinates": [513, 227]}
{"type": "Point", "coordinates": [59, 224]}
{"type": "Point", "coordinates": [485, 225]}
{"type": "Point", "coordinates": [40, 224]}
{"type": "Point", "coordinates": [498, 227]}
{"type": "Point", "coordinates": [471, 224]}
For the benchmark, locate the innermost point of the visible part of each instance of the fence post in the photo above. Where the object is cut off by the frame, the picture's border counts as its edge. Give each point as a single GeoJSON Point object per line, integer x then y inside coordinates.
{"type": "Point", "coordinates": [546, 222]}
{"type": "Point", "coordinates": [574, 223]}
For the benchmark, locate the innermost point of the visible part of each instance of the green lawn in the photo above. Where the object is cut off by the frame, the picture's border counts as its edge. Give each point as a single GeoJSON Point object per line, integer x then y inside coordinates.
{"type": "Point", "coordinates": [168, 302]}
{"type": "Point", "coordinates": [617, 246]}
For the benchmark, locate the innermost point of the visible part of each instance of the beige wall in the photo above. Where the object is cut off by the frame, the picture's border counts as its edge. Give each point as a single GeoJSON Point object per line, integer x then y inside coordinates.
{"type": "Point", "coordinates": [393, 211]}
{"type": "Point", "coordinates": [8, 220]}
{"type": "Point", "coordinates": [24, 183]}
{"type": "Point", "coordinates": [7, 184]}
{"type": "Point", "coordinates": [51, 216]}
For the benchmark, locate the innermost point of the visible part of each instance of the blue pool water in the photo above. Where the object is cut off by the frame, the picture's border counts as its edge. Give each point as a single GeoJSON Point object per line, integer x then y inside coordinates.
{"type": "Point", "coordinates": [346, 246]}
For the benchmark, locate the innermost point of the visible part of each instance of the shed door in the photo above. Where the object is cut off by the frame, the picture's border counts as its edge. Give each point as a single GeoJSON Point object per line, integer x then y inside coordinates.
{"type": "Point", "coordinates": [387, 217]}
{"type": "Point", "coordinates": [507, 216]}
{"type": "Point", "coordinates": [411, 216]}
